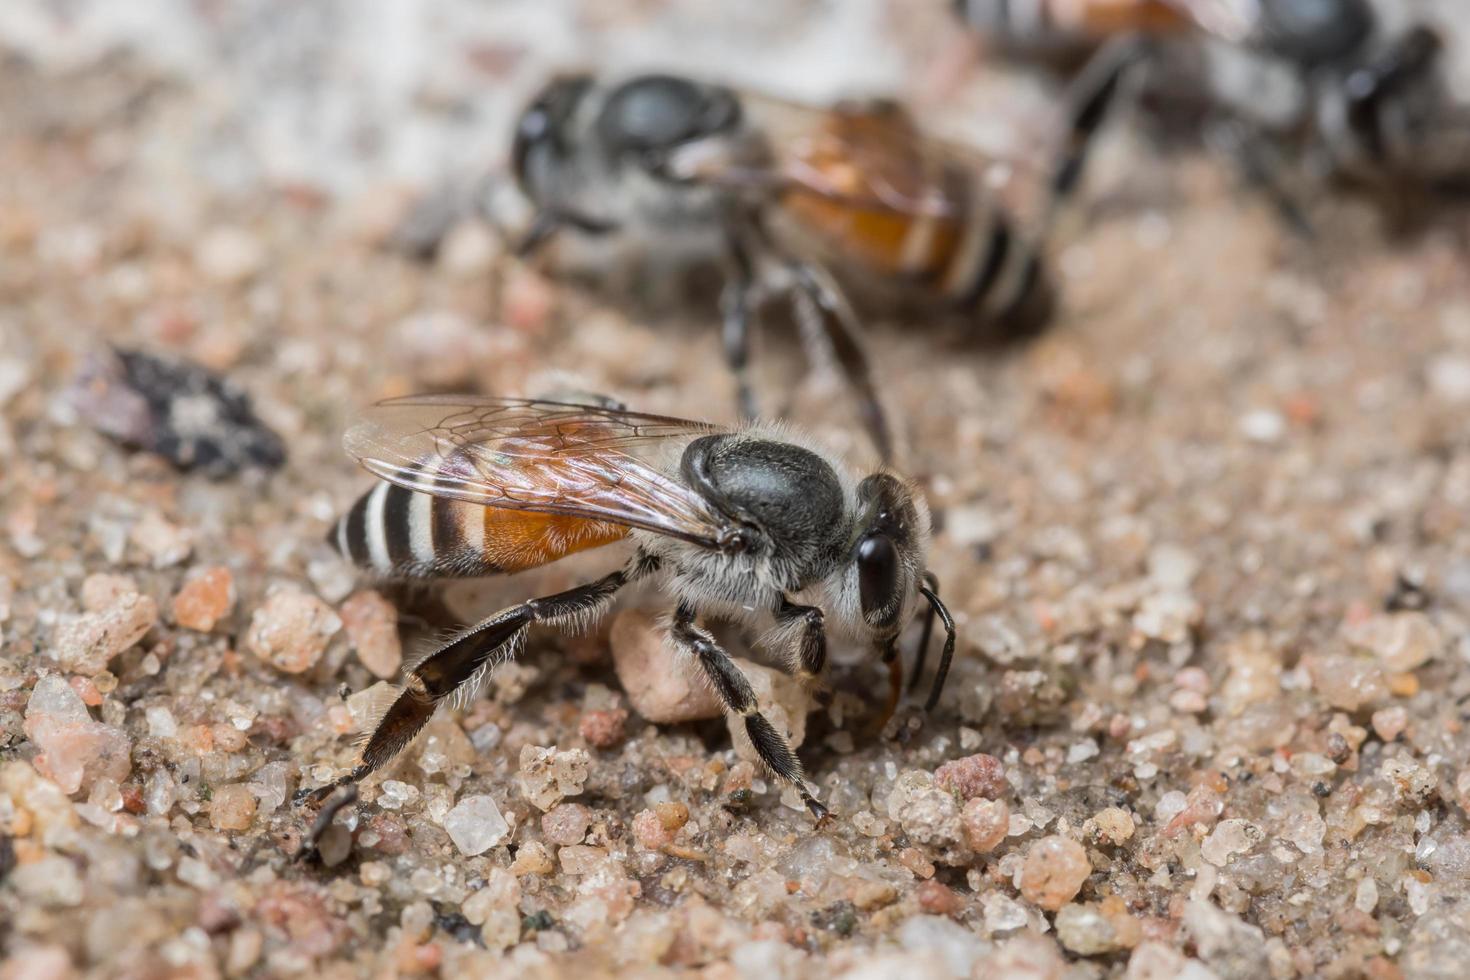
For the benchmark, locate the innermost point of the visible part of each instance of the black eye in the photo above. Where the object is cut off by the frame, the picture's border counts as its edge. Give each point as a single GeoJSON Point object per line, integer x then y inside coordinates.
{"type": "Point", "coordinates": [877, 562]}
{"type": "Point", "coordinates": [532, 129]}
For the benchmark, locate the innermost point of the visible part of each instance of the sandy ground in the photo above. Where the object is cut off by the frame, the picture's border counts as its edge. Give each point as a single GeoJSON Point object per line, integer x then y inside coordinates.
{"type": "Point", "coordinates": [1206, 542]}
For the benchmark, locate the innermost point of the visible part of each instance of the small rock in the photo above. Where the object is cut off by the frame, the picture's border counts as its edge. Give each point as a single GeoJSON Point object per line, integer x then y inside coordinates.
{"type": "Point", "coordinates": [566, 823]}
{"type": "Point", "coordinates": [76, 751]}
{"type": "Point", "coordinates": [1234, 949]}
{"type": "Point", "coordinates": [164, 543]}
{"type": "Point", "coordinates": [930, 816]}
{"type": "Point", "coordinates": [496, 909]}
{"type": "Point", "coordinates": [974, 775]}
{"type": "Point", "coordinates": [1412, 784]}
{"type": "Point", "coordinates": [672, 815]}
{"type": "Point", "coordinates": [1263, 426]}
{"type": "Point", "coordinates": [232, 807]}
{"type": "Point", "coordinates": [1401, 641]}
{"type": "Point", "coordinates": [1112, 825]}
{"type": "Point", "coordinates": [87, 643]}
{"type": "Point", "coordinates": [291, 629]}
{"type": "Point", "coordinates": [1024, 957]}
{"type": "Point", "coordinates": [660, 684]}
{"type": "Point", "coordinates": [1390, 723]}
{"type": "Point", "coordinates": [1168, 616]}
{"type": "Point", "coordinates": [50, 882]}
{"type": "Point", "coordinates": [371, 623]}
{"type": "Point", "coordinates": [206, 598]}
{"type": "Point", "coordinates": [180, 410]}
{"type": "Point", "coordinates": [229, 255]}
{"type": "Point", "coordinates": [1230, 837]}
{"type": "Point", "coordinates": [1346, 682]}
{"type": "Point", "coordinates": [603, 729]}
{"type": "Point", "coordinates": [985, 823]}
{"type": "Point", "coordinates": [548, 775]}
{"type": "Point", "coordinates": [1054, 871]}
{"type": "Point", "coordinates": [781, 699]}
{"type": "Point", "coordinates": [938, 899]}
{"type": "Point", "coordinates": [475, 825]}
{"type": "Point", "coordinates": [649, 831]}
{"type": "Point", "coordinates": [468, 251]}
{"type": "Point", "coordinates": [100, 591]}
{"type": "Point", "coordinates": [1084, 930]}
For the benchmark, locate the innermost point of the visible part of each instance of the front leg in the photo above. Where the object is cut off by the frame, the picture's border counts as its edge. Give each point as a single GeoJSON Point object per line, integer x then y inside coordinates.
{"type": "Point", "coordinates": [735, 691]}
{"type": "Point", "coordinates": [803, 640]}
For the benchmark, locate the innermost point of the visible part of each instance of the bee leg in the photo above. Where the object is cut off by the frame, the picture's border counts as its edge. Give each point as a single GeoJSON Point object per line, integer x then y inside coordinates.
{"type": "Point", "coordinates": [735, 311]}
{"type": "Point", "coordinates": [1261, 168]}
{"type": "Point", "coordinates": [921, 653]}
{"type": "Point", "coordinates": [1090, 99]}
{"type": "Point", "coordinates": [459, 665]}
{"type": "Point", "coordinates": [826, 310]}
{"type": "Point", "coordinates": [807, 650]}
{"type": "Point", "coordinates": [735, 691]}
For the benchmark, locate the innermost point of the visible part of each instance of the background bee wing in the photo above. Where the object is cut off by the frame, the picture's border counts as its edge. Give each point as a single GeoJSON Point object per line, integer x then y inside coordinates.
{"type": "Point", "coordinates": [869, 155]}
{"type": "Point", "coordinates": [583, 461]}
{"type": "Point", "coordinates": [1229, 20]}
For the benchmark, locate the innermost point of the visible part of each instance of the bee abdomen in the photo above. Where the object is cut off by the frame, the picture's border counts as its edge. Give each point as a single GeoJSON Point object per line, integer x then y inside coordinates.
{"type": "Point", "coordinates": [402, 534]}
{"type": "Point", "coordinates": [998, 275]}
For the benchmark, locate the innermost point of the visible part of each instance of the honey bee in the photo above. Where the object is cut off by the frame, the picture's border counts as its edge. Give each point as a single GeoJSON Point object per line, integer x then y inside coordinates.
{"type": "Point", "coordinates": [1319, 81]}
{"type": "Point", "coordinates": [746, 523]}
{"type": "Point", "coordinates": [857, 189]}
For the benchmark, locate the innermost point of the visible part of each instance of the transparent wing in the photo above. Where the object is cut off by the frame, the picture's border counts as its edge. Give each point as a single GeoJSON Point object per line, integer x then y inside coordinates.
{"type": "Point", "coordinates": [584, 461]}
{"type": "Point", "coordinates": [869, 155]}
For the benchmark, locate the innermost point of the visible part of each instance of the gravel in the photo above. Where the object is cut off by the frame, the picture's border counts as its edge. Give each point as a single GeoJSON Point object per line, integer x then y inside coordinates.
{"type": "Point", "coordinates": [1205, 542]}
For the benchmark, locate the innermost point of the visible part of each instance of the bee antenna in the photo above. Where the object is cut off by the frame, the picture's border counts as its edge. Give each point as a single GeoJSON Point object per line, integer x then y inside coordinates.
{"type": "Point", "coordinates": [937, 607]}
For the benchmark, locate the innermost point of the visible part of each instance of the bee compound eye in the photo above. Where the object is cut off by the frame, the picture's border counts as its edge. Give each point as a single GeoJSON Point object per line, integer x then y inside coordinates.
{"type": "Point", "coordinates": [877, 562]}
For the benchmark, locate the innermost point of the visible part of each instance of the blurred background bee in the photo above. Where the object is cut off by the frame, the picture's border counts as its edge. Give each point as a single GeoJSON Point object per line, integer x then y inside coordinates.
{"type": "Point", "coordinates": [792, 192]}
{"type": "Point", "coordinates": [1323, 89]}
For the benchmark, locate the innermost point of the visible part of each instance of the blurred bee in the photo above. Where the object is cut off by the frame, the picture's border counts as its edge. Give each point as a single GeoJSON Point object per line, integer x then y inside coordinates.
{"type": "Point", "coordinates": [856, 188]}
{"type": "Point", "coordinates": [1320, 80]}
{"type": "Point", "coordinates": [742, 524]}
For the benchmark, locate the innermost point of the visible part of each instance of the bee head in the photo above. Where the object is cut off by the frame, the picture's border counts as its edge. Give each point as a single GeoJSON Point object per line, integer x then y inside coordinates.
{"type": "Point", "coordinates": [541, 139]}
{"type": "Point", "coordinates": [889, 551]}
{"type": "Point", "coordinates": [1316, 32]}
{"type": "Point", "coordinates": [648, 116]}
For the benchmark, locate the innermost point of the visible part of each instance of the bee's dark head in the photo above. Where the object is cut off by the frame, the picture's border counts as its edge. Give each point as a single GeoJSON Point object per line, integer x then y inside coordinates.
{"type": "Point", "coordinates": [648, 116]}
{"type": "Point", "coordinates": [892, 538]}
{"type": "Point", "coordinates": [1316, 32]}
{"type": "Point", "coordinates": [542, 141]}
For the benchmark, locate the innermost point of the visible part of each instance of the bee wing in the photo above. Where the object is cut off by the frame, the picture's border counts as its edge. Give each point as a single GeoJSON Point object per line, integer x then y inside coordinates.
{"type": "Point", "coordinates": [1229, 20]}
{"type": "Point", "coordinates": [583, 461]}
{"type": "Point", "coordinates": [866, 154]}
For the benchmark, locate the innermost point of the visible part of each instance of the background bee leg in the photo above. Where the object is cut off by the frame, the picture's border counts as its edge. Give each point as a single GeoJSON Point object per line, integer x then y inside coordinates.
{"type": "Point", "coordinates": [735, 311]}
{"type": "Point", "coordinates": [735, 691]}
{"type": "Point", "coordinates": [1260, 167]}
{"type": "Point", "coordinates": [1090, 99]}
{"type": "Point", "coordinates": [459, 665]}
{"type": "Point", "coordinates": [823, 309]}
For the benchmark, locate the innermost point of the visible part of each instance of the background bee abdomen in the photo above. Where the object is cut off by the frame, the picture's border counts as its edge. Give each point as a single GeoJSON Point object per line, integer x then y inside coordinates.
{"type": "Point", "coordinates": [398, 533]}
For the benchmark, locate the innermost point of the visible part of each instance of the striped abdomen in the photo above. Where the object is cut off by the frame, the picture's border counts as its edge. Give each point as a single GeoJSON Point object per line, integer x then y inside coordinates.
{"type": "Point", "coordinates": [403, 534]}
{"type": "Point", "coordinates": [974, 261]}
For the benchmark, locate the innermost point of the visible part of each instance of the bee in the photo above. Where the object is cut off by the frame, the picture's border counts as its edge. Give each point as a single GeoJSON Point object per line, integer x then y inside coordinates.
{"type": "Point", "coordinates": [856, 189]}
{"type": "Point", "coordinates": [1320, 81]}
{"type": "Point", "coordinates": [743, 523]}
